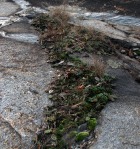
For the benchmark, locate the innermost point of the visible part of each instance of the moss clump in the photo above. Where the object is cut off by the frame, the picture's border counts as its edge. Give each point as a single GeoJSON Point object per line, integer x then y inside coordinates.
{"type": "Point", "coordinates": [81, 136]}
{"type": "Point", "coordinates": [92, 123]}
{"type": "Point", "coordinates": [73, 134]}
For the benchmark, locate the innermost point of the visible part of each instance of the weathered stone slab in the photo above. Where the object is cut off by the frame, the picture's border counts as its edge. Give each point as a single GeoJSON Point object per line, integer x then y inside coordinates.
{"type": "Point", "coordinates": [24, 77]}
{"type": "Point", "coordinates": [119, 124]}
{"type": "Point", "coordinates": [7, 8]}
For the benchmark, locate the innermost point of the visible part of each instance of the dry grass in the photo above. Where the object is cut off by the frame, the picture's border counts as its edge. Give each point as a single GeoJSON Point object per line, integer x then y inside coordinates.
{"type": "Point", "coordinates": [57, 25]}
{"type": "Point", "coordinates": [99, 67]}
{"type": "Point", "coordinates": [60, 14]}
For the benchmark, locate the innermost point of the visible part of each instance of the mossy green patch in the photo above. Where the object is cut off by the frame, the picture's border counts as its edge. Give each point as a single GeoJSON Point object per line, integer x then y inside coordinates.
{"type": "Point", "coordinates": [81, 136]}
{"type": "Point", "coordinates": [73, 134]}
{"type": "Point", "coordinates": [92, 122]}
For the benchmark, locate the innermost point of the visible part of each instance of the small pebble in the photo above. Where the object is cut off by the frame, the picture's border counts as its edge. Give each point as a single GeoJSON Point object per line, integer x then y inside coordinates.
{"type": "Point", "coordinates": [50, 91]}
{"type": "Point", "coordinates": [123, 51]}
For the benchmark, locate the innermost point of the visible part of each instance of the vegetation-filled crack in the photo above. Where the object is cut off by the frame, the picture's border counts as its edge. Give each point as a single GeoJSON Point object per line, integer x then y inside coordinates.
{"type": "Point", "coordinates": [80, 91]}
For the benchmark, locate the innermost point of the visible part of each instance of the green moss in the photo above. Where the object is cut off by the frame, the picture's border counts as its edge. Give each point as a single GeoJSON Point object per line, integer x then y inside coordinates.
{"type": "Point", "coordinates": [81, 136]}
{"type": "Point", "coordinates": [73, 134]}
{"type": "Point", "coordinates": [103, 98]}
{"type": "Point", "coordinates": [92, 123]}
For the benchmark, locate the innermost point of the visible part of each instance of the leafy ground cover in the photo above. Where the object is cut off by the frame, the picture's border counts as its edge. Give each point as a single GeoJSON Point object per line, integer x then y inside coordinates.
{"type": "Point", "coordinates": [80, 91]}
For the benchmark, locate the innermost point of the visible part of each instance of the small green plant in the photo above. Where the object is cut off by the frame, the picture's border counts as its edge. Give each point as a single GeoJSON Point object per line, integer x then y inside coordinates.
{"type": "Point", "coordinates": [92, 122]}
{"type": "Point", "coordinates": [81, 136]}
